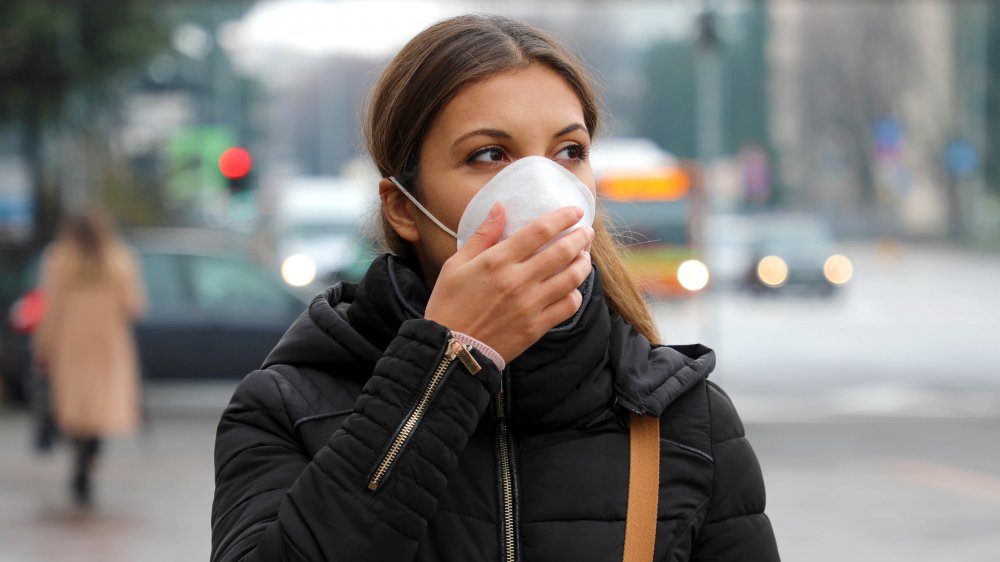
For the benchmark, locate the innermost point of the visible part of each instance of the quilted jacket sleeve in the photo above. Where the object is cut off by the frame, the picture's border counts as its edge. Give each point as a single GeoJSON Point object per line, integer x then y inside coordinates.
{"type": "Point", "coordinates": [273, 502]}
{"type": "Point", "coordinates": [735, 526]}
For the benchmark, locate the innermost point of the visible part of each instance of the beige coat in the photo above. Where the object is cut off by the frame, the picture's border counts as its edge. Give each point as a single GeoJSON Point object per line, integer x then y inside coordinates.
{"type": "Point", "coordinates": [86, 344]}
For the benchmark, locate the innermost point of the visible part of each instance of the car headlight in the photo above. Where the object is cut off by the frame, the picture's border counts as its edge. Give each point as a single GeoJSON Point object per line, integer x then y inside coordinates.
{"type": "Point", "coordinates": [298, 270]}
{"type": "Point", "coordinates": [838, 269]}
{"type": "Point", "coordinates": [772, 271]}
{"type": "Point", "coordinates": [693, 275]}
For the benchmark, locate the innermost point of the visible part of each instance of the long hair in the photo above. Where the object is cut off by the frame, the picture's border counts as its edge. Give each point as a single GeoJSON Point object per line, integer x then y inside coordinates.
{"type": "Point", "coordinates": [431, 70]}
{"type": "Point", "coordinates": [86, 241]}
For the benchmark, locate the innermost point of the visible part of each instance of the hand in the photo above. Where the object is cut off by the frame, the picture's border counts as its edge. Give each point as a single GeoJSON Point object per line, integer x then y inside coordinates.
{"type": "Point", "coordinates": [505, 294]}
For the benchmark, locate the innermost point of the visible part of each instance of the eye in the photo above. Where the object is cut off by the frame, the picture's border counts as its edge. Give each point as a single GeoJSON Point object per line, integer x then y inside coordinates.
{"type": "Point", "coordinates": [572, 152]}
{"type": "Point", "coordinates": [488, 154]}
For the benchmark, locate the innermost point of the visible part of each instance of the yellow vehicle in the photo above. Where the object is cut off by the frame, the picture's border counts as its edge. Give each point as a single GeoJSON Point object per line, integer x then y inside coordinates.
{"type": "Point", "coordinates": [649, 199]}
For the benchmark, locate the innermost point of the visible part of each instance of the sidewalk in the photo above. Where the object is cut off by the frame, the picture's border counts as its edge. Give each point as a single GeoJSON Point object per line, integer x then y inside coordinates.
{"type": "Point", "coordinates": [153, 497]}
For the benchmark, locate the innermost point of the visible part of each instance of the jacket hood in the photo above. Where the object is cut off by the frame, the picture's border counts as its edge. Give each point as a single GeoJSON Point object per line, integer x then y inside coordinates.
{"type": "Point", "coordinates": [647, 378]}
{"type": "Point", "coordinates": [323, 338]}
{"type": "Point", "coordinates": [590, 361]}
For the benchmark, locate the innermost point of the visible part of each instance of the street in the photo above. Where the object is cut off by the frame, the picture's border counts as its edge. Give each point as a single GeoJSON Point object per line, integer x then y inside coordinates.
{"type": "Point", "coordinates": [864, 489]}
{"type": "Point", "coordinates": [883, 490]}
{"type": "Point", "coordinates": [875, 417]}
{"type": "Point", "coordinates": [913, 319]}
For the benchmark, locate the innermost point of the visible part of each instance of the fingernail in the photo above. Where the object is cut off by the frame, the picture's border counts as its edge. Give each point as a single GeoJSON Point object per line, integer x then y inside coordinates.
{"type": "Point", "coordinates": [586, 255]}
{"type": "Point", "coordinates": [494, 213]}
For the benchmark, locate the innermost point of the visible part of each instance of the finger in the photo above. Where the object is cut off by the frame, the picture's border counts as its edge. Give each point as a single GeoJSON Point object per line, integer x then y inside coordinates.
{"type": "Point", "coordinates": [560, 254]}
{"type": "Point", "coordinates": [526, 241]}
{"type": "Point", "coordinates": [567, 280]}
{"type": "Point", "coordinates": [487, 234]}
{"type": "Point", "coordinates": [560, 310]}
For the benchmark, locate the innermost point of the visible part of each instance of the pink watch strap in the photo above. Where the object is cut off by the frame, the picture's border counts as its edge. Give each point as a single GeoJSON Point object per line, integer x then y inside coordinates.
{"type": "Point", "coordinates": [486, 350]}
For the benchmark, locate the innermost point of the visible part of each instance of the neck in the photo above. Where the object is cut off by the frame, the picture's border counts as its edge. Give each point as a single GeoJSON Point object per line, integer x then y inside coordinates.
{"type": "Point", "coordinates": [429, 271]}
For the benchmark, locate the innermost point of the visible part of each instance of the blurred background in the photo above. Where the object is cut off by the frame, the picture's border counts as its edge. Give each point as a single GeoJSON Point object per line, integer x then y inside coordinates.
{"type": "Point", "coordinates": [811, 187]}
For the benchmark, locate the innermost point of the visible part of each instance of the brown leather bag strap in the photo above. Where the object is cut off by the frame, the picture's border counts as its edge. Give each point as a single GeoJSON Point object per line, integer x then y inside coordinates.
{"type": "Point", "coordinates": [643, 488]}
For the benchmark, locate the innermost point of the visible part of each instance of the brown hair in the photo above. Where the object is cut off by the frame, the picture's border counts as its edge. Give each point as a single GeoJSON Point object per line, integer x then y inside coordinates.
{"type": "Point", "coordinates": [87, 240]}
{"type": "Point", "coordinates": [431, 70]}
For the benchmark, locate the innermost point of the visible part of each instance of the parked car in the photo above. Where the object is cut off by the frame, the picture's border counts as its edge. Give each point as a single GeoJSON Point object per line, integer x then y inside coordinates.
{"type": "Point", "coordinates": [213, 314]}
{"type": "Point", "coordinates": [17, 278]}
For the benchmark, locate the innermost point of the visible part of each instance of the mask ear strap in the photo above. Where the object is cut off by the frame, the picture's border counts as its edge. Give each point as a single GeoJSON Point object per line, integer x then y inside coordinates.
{"type": "Point", "coordinates": [422, 209]}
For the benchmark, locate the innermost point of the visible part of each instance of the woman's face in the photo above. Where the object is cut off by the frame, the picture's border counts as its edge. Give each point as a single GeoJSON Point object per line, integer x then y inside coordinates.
{"type": "Point", "coordinates": [488, 125]}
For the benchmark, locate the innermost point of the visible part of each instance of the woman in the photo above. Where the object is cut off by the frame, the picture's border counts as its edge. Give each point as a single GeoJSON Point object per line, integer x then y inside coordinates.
{"type": "Point", "coordinates": [93, 292]}
{"type": "Point", "coordinates": [472, 404]}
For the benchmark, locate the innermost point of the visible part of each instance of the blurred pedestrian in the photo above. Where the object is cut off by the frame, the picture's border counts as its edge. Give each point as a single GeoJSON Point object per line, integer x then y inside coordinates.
{"type": "Point", "coordinates": [493, 389]}
{"type": "Point", "coordinates": [93, 291]}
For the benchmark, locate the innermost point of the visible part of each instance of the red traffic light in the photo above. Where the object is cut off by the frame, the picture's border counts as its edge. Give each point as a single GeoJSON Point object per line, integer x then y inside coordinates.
{"type": "Point", "coordinates": [235, 162]}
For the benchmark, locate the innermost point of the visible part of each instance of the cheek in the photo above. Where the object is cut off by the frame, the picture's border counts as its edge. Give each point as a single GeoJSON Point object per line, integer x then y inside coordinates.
{"type": "Point", "coordinates": [586, 175]}
{"type": "Point", "coordinates": [447, 197]}
{"type": "Point", "coordinates": [458, 204]}
{"type": "Point", "coordinates": [441, 245]}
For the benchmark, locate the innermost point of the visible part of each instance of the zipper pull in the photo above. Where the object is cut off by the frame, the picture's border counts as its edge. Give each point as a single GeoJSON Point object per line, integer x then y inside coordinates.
{"type": "Point", "coordinates": [457, 349]}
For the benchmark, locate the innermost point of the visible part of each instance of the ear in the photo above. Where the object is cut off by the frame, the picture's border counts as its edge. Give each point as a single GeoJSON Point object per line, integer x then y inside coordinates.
{"type": "Point", "coordinates": [399, 211]}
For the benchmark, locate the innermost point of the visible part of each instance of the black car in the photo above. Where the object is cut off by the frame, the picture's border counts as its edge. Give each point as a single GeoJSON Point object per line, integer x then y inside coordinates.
{"type": "Point", "coordinates": [213, 313]}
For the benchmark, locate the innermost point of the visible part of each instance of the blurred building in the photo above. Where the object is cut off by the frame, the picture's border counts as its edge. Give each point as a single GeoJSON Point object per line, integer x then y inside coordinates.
{"type": "Point", "coordinates": [977, 59]}
{"type": "Point", "coordinates": [672, 65]}
{"type": "Point", "coordinates": [877, 110]}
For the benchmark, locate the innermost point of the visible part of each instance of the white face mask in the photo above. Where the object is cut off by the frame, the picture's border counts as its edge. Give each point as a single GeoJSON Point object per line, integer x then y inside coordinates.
{"type": "Point", "coordinates": [527, 188]}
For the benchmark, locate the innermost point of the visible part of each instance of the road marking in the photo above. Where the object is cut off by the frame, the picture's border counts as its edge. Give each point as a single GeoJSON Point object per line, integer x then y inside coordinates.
{"type": "Point", "coordinates": [971, 484]}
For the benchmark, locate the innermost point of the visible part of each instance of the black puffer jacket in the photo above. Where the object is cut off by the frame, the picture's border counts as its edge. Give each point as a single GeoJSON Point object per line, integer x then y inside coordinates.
{"type": "Point", "coordinates": [537, 471]}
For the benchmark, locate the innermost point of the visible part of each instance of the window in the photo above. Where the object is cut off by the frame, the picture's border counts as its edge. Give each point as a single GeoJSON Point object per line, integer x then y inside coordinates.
{"type": "Point", "coordinates": [220, 284]}
{"type": "Point", "coordinates": [164, 282]}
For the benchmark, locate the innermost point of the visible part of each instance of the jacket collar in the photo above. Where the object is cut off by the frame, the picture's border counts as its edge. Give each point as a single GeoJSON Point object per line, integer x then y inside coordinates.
{"type": "Point", "coordinates": [564, 379]}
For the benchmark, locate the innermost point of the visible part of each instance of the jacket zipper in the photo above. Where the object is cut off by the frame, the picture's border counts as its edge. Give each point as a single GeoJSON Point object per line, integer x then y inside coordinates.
{"type": "Point", "coordinates": [506, 480]}
{"type": "Point", "coordinates": [454, 350]}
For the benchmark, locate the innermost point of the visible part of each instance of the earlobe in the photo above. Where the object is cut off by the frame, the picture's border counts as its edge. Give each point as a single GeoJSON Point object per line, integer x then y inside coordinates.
{"type": "Point", "coordinates": [399, 211]}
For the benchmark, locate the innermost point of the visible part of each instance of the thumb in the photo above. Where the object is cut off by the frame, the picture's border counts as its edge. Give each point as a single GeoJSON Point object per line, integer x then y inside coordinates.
{"type": "Point", "coordinates": [487, 234]}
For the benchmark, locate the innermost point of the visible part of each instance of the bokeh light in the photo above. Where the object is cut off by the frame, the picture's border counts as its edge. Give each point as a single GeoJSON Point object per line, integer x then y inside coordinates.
{"type": "Point", "coordinates": [838, 269]}
{"type": "Point", "coordinates": [298, 270]}
{"type": "Point", "coordinates": [693, 275]}
{"type": "Point", "coordinates": [772, 271]}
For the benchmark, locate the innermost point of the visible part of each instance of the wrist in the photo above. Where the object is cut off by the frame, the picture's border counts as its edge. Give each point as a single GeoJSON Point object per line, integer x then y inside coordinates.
{"type": "Point", "coordinates": [486, 350]}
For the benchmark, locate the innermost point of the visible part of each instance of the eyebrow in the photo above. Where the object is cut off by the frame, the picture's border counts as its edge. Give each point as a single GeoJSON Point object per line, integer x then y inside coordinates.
{"type": "Point", "coordinates": [495, 133]}
{"type": "Point", "coordinates": [498, 134]}
{"type": "Point", "coordinates": [569, 129]}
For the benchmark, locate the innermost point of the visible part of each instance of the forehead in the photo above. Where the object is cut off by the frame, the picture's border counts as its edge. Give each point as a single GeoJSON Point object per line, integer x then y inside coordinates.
{"type": "Point", "coordinates": [535, 96]}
